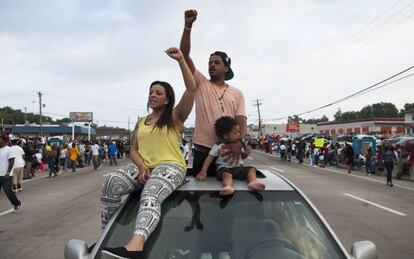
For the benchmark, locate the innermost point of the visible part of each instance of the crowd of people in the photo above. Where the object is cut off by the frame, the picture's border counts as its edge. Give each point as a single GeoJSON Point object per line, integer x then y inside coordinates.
{"type": "Point", "coordinates": [31, 156]}
{"type": "Point", "coordinates": [331, 153]}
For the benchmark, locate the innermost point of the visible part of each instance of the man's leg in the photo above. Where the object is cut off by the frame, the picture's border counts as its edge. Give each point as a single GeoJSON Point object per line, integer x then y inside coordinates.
{"type": "Point", "coordinates": [95, 162]}
{"type": "Point", "coordinates": [6, 183]}
{"type": "Point", "coordinates": [20, 179]}
{"type": "Point", "coordinates": [14, 177]}
{"type": "Point", "coordinates": [27, 170]}
{"type": "Point", "coordinates": [73, 165]}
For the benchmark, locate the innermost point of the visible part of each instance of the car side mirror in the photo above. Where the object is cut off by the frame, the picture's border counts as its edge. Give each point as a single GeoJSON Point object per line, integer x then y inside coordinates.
{"type": "Point", "coordinates": [76, 249]}
{"type": "Point", "coordinates": [364, 250]}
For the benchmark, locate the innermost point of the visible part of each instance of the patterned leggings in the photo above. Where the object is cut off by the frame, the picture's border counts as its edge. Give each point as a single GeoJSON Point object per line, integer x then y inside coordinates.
{"type": "Point", "coordinates": [162, 181]}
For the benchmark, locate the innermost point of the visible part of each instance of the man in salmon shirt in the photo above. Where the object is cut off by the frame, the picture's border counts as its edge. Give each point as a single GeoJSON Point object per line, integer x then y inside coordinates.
{"type": "Point", "coordinates": [214, 98]}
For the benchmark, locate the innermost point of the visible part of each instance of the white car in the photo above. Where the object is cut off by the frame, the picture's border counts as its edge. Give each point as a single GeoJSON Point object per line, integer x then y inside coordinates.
{"type": "Point", "coordinates": [196, 222]}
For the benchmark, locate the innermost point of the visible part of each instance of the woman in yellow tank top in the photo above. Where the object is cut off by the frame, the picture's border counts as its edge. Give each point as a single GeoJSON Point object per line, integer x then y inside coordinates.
{"type": "Point", "coordinates": [155, 151]}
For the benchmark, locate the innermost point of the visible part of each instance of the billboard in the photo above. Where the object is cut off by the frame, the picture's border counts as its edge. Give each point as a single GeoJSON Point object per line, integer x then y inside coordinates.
{"type": "Point", "coordinates": [292, 127]}
{"type": "Point", "coordinates": [81, 116]}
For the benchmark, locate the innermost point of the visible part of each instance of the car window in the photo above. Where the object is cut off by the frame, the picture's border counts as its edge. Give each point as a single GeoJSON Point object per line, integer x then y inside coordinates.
{"type": "Point", "coordinates": [272, 224]}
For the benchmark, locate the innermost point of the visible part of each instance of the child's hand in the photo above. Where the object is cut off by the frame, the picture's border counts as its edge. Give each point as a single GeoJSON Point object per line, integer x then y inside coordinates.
{"type": "Point", "coordinates": [202, 175]}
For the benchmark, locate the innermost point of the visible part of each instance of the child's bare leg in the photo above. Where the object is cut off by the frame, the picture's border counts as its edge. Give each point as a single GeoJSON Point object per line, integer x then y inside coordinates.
{"type": "Point", "coordinates": [227, 184]}
{"type": "Point", "coordinates": [252, 181]}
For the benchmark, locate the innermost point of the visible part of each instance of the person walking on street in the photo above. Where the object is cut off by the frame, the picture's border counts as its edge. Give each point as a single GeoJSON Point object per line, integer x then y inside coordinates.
{"type": "Point", "coordinates": [29, 156]}
{"type": "Point", "coordinates": [95, 155]}
{"type": "Point", "coordinates": [112, 153]}
{"type": "Point", "coordinates": [349, 156]}
{"type": "Point", "coordinates": [389, 158]}
{"type": "Point", "coordinates": [6, 167]}
{"type": "Point", "coordinates": [282, 150]}
{"type": "Point", "coordinates": [73, 156]}
{"type": "Point", "coordinates": [301, 151]}
{"type": "Point", "coordinates": [214, 98]}
{"type": "Point", "coordinates": [52, 154]}
{"type": "Point", "coordinates": [101, 151]}
{"type": "Point", "coordinates": [18, 168]}
{"type": "Point", "coordinates": [369, 162]}
{"type": "Point", "coordinates": [63, 158]}
{"type": "Point", "coordinates": [87, 154]}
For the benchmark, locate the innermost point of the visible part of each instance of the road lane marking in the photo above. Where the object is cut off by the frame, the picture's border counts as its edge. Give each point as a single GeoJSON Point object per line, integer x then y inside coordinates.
{"type": "Point", "coordinates": [277, 169]}
{"type": "Point", "coordinates": [375, 204]}
{"type": "Point", "coordinates": [250, 158]}
{"type": "Point", "coordinates": [6, 212]}
{"type": "Point", "coordinates": [34, 179]}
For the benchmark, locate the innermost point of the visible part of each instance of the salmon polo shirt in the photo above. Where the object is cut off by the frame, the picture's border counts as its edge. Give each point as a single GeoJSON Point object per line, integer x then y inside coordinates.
{"type": "Point", "coordinates": [211, 103]}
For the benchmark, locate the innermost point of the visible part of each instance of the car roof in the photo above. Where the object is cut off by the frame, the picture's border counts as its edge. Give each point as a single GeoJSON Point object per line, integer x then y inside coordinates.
{"type": "Point", "coordinates": [272, 181]}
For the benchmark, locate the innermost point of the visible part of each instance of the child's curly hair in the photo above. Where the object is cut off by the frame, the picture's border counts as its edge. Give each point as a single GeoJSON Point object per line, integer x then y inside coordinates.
{"type": "Point", "coordinates": [223, 126]}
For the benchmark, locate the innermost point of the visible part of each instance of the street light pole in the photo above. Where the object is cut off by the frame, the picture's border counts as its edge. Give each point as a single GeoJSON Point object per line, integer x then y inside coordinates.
{"type": "Point", "coordinates": [40, 112]}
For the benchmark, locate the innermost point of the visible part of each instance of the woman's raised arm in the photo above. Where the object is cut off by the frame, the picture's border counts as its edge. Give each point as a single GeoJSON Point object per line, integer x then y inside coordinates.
{"type": "Point", "coordinates": [184, 107]}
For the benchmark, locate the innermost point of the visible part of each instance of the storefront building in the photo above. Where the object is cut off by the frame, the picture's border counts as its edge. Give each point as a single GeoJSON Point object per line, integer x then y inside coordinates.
{"type": "Point", "coordinates": [81, 132]}
{"type": "Point", "coordinates": [363, 126]}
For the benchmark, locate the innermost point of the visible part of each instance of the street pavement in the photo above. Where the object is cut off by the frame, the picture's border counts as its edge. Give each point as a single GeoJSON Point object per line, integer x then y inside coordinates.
{"type": "Point", "coordinates": [55, 210]}
{"type": "Point", "coordinates": [356, 206]}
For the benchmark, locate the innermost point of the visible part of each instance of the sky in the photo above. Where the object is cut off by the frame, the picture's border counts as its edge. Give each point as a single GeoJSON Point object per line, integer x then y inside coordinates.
{"type": "Point", "coordinates": [101, 56]}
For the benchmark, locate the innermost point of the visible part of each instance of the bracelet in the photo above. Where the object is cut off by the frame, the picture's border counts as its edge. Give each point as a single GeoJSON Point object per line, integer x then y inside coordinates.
{"type": "Point", "coordinates": [187, 28]}
{"type": "Point", "coordinates": [181, 61]}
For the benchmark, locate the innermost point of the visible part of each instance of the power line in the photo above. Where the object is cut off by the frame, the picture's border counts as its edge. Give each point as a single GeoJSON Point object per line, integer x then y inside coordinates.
{"type": "Point", "coordinates": [357, 93]}
{"type": "Point", "coordinates": [361, 34]}
{"type": "Point", "coordinates": [361, 92]}
{"type": "Point", "coordinates": [381, 86]}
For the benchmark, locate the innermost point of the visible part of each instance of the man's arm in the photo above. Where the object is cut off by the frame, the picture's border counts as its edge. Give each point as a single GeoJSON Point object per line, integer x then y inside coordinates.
{"type": "Point", "coordinates": [242, 121]}
{"type": "Point", "coordinates": [11, 164]}
{"type": "Point", "coordinates": [185, 45]}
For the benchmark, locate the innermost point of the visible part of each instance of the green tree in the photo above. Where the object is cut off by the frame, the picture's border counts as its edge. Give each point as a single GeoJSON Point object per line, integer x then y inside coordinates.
{"type": "Point", "coordinates": [294, 119]}
{"type": "Point", "coordinates": [351, 115]}
{"type": "Point", "coordinates": [384, 110]}
{"type": "Point", "coordinates": [407, 107]}
{"type": "Point", "coordinates": [11, 116]}
{"type": "Point", "coordinates": [64, 120]}
{"type": "Point", "coordinates": [338, 115]}
{"type": "Point", "coordinates": [315, 121]}
{"type": "Point", "coordinates": [366, 112]}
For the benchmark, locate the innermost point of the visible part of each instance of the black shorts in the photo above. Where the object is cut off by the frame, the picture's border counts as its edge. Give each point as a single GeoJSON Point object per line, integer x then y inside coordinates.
{"type": "Point", "coordinates": [239, 172]}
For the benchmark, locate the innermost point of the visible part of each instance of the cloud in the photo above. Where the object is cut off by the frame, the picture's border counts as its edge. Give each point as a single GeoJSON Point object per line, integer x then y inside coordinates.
{"type": "Point", "coordinates": [295, 55]}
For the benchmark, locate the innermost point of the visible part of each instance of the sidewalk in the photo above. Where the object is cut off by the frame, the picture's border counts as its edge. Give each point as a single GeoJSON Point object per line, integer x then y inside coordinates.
{"type": "Point", "coordinates": [339, 169]}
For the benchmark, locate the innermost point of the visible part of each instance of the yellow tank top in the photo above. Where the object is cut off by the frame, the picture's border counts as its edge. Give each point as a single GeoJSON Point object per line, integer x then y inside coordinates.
{"type": "Point", "coordinates": [158, 146]}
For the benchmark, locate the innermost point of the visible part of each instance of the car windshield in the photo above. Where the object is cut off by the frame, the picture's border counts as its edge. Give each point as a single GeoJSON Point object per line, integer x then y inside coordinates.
{"type": "Point", "coordinates": [272, 224]}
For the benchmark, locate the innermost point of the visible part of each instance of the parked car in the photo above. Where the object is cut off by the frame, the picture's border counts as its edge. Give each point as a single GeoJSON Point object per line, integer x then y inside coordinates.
{"type": "Point", "coordinates": [397, 141]}
{"type": "Point", "coordinates": [196, 222]}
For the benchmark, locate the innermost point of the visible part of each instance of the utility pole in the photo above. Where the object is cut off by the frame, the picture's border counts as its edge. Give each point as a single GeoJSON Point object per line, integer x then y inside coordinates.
{"type": "Point", "coordinates": [40, 112]}
{"type": "Point", "coordinates": [260, 118]}
{"type": "Point", "coordinates": [25, 115]}
{"type": "Point", "coordinates": [129, 131]}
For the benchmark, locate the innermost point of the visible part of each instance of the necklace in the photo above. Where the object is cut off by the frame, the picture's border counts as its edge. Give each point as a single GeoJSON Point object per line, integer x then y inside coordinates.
{"type": "Point", "coordinates": [221, 98]}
